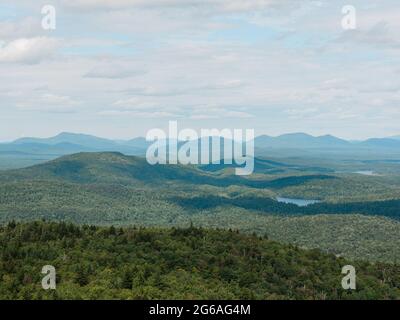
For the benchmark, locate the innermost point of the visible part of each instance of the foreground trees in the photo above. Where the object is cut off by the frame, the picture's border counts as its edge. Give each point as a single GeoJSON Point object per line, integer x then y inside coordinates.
{"type": "Point", "coordinates": [116, 263]}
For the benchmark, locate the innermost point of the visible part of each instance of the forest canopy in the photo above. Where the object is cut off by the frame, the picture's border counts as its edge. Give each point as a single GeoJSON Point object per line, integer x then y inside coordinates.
{"type": "Point", "coordinates": [178, 263]}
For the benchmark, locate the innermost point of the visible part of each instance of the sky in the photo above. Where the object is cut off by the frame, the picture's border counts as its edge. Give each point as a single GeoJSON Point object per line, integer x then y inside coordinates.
{"type": "Point", "coordinates": [118, 68]}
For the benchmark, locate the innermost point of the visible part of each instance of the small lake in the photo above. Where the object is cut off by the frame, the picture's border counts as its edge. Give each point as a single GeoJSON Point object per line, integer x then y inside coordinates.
{"type": "Point", "coordinates": [366, 173]}
{"type": "Point", "coordinates": [298, 202]}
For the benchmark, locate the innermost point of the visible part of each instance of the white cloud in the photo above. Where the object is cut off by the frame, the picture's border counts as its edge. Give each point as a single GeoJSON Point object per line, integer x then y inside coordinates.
{"type": "Point", "coordinates": [27, 27]}
{"type": "Point", "coordinates": [229, 84]}
{"type": "Point", "coordinates": [134, 104]}
{"type": "Point", "coordinates": [28, 50]}
{"type": "Point", "coordinates": [378, 35]}
{"type": "Point", "coordinates": [139, 114]}
{"type": "Point", "coordinates": [225, 5]}
{"type": "Point", "coordinates": [113, 71]}
{"type": "Point", "coordinates": [285, 68]}
{"type": "Point", "coordinates": [205, 112]}
{"type": "Point", "coordinates": [48, 102]}
{"type": "Point", "coordinates": [153, 91]}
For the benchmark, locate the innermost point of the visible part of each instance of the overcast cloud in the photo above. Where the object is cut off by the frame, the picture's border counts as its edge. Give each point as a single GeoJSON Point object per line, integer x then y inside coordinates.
{"type": "Point", "coordinates": [117, 68]}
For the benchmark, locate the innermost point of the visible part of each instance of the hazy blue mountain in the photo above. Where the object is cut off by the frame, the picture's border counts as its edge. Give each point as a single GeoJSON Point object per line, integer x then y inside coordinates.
{"type": "Point", "coordinates": [73, 143]}
{"type": "Point", "coordinates": [73, 138]}
{"type": "Point", "coordinates": [299, 141]}
{"type": "Point", "coordinates": [395, 137]}
{"type": "Point", "coordinates": [133, 146]}
{"type": "Point", "coordinates": [138, 142]}
{"type": "Point", "coordinates": [62, 148]}
{"type": "Point", "coordinates": [36, 150]}
{"type": "Point", "coordinates": [382, 143]}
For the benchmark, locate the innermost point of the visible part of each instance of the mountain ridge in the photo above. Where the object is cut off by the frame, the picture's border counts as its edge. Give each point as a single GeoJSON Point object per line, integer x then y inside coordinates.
{"type": "Point", "coordinates": [25, 151]}
{"type": "Point", "coordinates": [112, 188]}
{"type": "Point", "coordinates": [69, 136]}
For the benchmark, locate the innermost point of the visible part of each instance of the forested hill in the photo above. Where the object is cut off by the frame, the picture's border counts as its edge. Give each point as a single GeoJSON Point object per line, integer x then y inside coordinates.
{"type": "Point", "coordinates": [129, 263]}
{"type": "Point", "coordinates": [114, 167]}
{"type": "Point", "coordinates": [114, 189]}
{"type": "Point", "coordinates": [96, 182]}
{"type": "Point", "coordinates": [105, 167]}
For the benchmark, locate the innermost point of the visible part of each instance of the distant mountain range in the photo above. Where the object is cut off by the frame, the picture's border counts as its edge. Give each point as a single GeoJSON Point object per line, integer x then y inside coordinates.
{"type": "Point", "coordinates": [299, 140]}
{"type": "Point", "coordinates": [306, 141]}
{"type": "Point", "coordinates": [65, 143]}
{"type": "Point", "coordinates": [292, 144]}
{"type": "Point", "coordinates": [290, 140]}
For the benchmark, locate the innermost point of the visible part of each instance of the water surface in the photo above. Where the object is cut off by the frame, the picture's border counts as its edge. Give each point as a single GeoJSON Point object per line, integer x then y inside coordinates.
{"type": "Point", "coordinates": [366, 172]}
{"type": "Point", "coordinates": [298, 202]}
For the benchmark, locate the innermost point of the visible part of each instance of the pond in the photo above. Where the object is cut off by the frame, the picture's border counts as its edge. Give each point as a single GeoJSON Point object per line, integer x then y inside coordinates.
{"type": "Point", "coordinates": [298, 202]}
{"type": "Point", "coordinates": [366, 173]}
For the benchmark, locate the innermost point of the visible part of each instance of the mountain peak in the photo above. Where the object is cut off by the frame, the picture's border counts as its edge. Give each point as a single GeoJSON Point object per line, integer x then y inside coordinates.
{"type": "Point", "coordinates": [69, 134]}
{"type": "Point", "coordinates": [296, 134]}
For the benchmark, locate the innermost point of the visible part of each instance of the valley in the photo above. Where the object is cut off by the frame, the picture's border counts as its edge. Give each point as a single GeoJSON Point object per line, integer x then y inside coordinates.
{"type": "Point", "coordinates": [358, 216]}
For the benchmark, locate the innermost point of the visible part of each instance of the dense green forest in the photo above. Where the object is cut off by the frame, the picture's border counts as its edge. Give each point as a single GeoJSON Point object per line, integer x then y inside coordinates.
{"type": "Point", "coordinates": [389, 208]}
{"type": "Point", "coordinates": [179, 263]}
{"type": "Point", "coordinates": [113, 189]}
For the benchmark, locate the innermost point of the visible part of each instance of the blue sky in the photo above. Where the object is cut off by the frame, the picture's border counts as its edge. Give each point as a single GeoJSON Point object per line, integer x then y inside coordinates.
{"type": "Point", "coordinates": [117, 68]}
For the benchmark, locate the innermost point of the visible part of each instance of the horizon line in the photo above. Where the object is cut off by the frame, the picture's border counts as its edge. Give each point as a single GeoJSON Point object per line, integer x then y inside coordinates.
{"type": "Point", "coordinates": [143, 137]}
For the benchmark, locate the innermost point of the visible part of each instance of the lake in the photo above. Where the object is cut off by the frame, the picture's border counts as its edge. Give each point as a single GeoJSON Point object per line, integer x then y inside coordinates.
{"type": "Point", "coordinates": [298, 202]}
{"type": "Point", "coordinates": [366, 173]}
